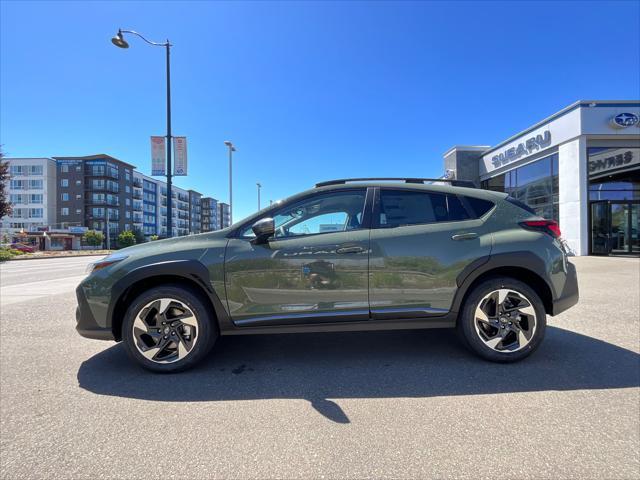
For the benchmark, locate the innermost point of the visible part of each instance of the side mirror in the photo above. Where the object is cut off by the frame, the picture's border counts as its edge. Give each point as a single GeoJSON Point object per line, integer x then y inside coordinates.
{"type": "Point", "coordinates": [263, 228]}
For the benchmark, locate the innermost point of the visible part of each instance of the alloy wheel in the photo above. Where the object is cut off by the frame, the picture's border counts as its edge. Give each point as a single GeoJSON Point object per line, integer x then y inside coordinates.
{"type": "Point", "coordinates": [165, 330]}
{"type": "Point", "coordinates": [505, 320]}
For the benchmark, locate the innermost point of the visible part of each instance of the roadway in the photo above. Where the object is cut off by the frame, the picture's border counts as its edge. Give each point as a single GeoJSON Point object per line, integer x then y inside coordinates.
{"type": "Point", "coordinates": [380, 404]}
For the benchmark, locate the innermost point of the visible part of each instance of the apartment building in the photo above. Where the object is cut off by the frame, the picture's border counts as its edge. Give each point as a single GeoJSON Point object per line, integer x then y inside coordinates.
{"type": "Point", "coordinates": [209, 214]}
{"type": "Point", "coordinates": [32, 193]}
{"type": "Point", "coordinates": [73, 194]}
{"type": "Point", "coordinates": [95, 191]}
{"type": "Point", "coordinates": [195, 211]}
{"type": "Point", "coordinates": [224, 215]}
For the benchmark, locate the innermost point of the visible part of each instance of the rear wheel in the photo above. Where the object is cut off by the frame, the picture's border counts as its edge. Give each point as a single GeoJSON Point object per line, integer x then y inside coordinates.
{"type": "Point", "coordinates": [503, 320]}
{"type": "Point", "coordinates": [168, 329]}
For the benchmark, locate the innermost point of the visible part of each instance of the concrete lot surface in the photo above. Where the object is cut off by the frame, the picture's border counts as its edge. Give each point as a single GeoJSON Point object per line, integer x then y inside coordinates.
{"type": "Point", "coordinates": [384, 404]}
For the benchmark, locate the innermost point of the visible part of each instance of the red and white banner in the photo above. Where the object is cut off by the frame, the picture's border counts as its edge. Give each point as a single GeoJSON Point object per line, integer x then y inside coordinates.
{"type": "Point", "coordinates": [180, 156]}
{"type": "Point", "coordinates": [158, 156]}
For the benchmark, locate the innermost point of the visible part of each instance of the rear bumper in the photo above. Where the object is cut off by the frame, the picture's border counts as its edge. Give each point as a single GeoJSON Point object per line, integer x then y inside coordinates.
{"type": "Point", "coordinates": [86, 324]}
{"type": "Point", "coordinates": [570, 295]}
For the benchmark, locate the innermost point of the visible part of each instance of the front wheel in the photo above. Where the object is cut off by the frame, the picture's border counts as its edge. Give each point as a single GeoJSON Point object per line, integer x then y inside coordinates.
{"type": "Point", "coordinates": [502, 320]}
{"type": "Point", "coordinates": [168, 329]}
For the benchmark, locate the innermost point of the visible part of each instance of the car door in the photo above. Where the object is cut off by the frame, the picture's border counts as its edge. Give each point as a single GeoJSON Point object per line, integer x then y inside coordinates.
{"type": "Point", "coordinates": [421, 241]}
{"type": "Point", "coordinates": [314, 269]}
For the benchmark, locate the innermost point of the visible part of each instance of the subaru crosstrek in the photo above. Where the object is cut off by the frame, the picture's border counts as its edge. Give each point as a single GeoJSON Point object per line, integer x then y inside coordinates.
{"type": "Point", "coordinates": [359, 254]}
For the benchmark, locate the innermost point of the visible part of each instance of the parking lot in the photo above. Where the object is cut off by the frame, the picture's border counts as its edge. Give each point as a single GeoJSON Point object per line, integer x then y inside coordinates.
{"type": "Point", "coordinates": [410, 404]}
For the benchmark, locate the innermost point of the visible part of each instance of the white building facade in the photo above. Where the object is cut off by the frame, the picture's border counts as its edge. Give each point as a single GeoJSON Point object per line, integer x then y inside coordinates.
{"type": "Point", "coordinates": [580, 166]}
{"type": "Point", "coordinates": [32, 194]}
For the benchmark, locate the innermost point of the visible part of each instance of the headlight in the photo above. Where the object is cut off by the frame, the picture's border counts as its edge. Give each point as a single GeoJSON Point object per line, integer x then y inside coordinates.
{"type": "Point", "coordinates": [105, 262]}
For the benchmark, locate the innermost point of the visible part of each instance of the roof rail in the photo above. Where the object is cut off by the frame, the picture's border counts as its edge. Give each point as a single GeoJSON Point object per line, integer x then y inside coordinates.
{"type": "Point", "coordinates": [453, 182]}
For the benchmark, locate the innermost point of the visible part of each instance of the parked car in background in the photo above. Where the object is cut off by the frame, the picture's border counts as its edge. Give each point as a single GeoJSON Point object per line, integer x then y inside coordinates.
{"type": "Point", "coordinates": [358, 254]}
{"type": "Point", "coordinates": [22, 247]}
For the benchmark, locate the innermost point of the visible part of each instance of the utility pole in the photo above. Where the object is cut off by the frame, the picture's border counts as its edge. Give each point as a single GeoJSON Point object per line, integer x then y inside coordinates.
{"type": "Point", "coordinates": [120, 42]}
{"type": "Point", "coordinates": [232, 149]}
{"type": "Point", "coordinates": [108, 231]}
{"type": "Point", "coordinates": [259, 187]}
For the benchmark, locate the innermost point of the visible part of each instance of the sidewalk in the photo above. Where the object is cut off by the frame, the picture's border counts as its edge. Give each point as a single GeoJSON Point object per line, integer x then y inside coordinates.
{"type": "Point", "coordinates": [60, 254]}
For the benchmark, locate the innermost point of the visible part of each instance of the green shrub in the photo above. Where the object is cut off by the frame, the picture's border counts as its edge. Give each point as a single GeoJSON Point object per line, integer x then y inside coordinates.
{"type": "Point", "coordinates": [16, 252]}
{"type": "Point", "coordinates": [5, 255]}
{"type": "Point", "coordinates": [93, 238]}
{"type": "Point", "coordinates": [153, 238]}
{"type": "Point", "coordinates": [126, 239]}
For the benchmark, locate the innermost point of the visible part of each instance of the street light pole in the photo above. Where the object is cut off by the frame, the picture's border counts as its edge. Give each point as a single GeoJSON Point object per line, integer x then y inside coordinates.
{"type": "Point", "coordinates": [259, 187]}
{"type": "Point", "coordinates": [120, 42]}
{"type": "Point", "coordinates": [232, 149]}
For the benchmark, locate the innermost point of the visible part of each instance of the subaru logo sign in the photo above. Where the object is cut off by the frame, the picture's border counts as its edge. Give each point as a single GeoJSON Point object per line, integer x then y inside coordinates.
{"type": "Point", "coordinates": [624, 120]}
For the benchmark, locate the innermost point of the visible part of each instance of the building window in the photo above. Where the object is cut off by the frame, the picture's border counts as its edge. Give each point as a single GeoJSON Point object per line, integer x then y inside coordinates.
{"type": "Point", "coordinates": [35, 184]}
{"type": "Point", "coordinates": [534, 184]}
{"type": "Point", "coordinates": [78, 182]}
{"type": "Point", "coordinates": [36, 198]}
{"type": "Point", "coordinates": [78, 196]}
{"type": "Point", "coordinates": [64, 211]}
{"type": "Point", "coordinates": [78, 211]}
{"type": "Point", "coordinates": [64, 182]}
{"type": "Point", "coordinates": [35, 213]}
{"type": "Point", "coordinates": [35, 170]}
{"type": "Point", "coordinates": [64, 168]}
{"type": "Point", "coordinates": [64, 197]}
{"type": "Point", "coordinates": [614, 173]}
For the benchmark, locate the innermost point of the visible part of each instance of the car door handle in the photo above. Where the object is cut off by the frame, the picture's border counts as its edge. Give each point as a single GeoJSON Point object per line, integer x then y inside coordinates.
{"type": "Point", "coordinates": [465, 236]}
{"type": "Point", "coordinates": [353, 249]}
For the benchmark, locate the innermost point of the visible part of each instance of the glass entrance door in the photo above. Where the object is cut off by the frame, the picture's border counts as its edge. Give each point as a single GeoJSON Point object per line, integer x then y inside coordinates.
{"type": "Point", "coordinates": [600, 228]}
{"type": "Point", "coordinates": [615, 228]}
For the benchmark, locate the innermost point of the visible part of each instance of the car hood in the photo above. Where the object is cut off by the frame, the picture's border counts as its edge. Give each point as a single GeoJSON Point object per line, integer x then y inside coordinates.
{"type": "Point", "coordinates": [201, 241]}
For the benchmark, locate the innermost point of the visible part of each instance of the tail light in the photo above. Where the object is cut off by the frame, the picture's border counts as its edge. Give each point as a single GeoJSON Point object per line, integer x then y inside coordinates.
{"type": "Point", "coordinates": [549, 227]}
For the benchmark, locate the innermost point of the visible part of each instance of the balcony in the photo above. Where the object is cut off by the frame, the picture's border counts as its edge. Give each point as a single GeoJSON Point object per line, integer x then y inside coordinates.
{"type": "Point", "coordinates": [137, 195]}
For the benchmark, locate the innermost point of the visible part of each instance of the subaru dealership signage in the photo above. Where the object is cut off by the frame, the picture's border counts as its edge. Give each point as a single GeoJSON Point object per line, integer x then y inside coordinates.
{"type": "Point", "coordinates": [526, 147]}
{"type": "Point", "coordinates": [624, 120]}
{"type": "Point", "coordinates": [613, 159]}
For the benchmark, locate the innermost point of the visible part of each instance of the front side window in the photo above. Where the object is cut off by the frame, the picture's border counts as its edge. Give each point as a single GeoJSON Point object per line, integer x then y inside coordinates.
{"type": "Point", "coordinates": [323, 213]}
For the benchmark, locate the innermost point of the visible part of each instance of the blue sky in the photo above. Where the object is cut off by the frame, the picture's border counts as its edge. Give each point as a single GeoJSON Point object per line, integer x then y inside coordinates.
{"type": "Point", "coordinates": [308, 91]}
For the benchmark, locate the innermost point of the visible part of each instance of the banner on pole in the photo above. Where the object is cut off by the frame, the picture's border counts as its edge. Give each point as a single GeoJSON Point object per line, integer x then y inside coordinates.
{"type": "Point", "coordinates": [158, 156]}
{"type": "Point", "coordinates": [180, 156]}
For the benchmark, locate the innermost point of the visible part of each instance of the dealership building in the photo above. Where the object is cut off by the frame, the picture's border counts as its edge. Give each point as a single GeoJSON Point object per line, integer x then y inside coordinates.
{"type": "Point", "coordinates": [580, 166]}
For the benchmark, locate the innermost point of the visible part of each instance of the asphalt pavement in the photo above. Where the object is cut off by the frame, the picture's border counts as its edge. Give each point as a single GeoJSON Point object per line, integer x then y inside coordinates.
{"type": "Point", "coordinates": [411, 404]}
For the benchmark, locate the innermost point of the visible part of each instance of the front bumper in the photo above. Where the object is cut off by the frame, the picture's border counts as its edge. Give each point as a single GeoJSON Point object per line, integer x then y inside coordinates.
{"type": "Point", "coordinates": [570, 295]}
{"type": "Point", "coordinates": [86, 323]}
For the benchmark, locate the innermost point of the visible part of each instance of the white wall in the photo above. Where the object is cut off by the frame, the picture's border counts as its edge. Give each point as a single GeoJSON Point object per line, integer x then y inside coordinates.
{"type": "Point", "coordinates": [573, 201]}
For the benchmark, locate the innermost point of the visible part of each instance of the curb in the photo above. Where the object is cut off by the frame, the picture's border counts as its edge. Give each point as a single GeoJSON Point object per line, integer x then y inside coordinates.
{"type": "Point", "coordinates": [44, 257]}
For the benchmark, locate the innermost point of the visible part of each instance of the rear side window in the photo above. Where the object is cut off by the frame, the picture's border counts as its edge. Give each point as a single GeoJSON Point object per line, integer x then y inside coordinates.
{"type": "Point", "coordinates": [522, 205]}
{"type": "Point", "coordinates": [405, 207]}
{"type": "Point", "coordinates": [477, 207]}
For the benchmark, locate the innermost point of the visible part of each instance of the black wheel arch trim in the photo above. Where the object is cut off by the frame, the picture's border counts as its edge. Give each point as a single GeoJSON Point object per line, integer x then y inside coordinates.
{"type": "Point", "coordinates": [482, 265]}
{"type": "Point", "coordinates": [192, 270]}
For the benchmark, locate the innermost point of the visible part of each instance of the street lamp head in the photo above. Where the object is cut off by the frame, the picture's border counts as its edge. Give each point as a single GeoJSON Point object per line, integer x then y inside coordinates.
{"type": "Point", "coordinates": [119, 40]}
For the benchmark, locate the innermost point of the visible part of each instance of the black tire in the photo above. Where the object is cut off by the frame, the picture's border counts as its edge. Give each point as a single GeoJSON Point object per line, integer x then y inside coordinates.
{"type": "Point", "coordinates": [466, 320]}
{"type": "Point", "coordinates": [207, 328]}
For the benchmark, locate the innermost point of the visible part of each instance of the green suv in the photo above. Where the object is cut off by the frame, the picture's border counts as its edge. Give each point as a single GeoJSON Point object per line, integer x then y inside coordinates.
{"type": "Point", "coordinates": [358, 254]}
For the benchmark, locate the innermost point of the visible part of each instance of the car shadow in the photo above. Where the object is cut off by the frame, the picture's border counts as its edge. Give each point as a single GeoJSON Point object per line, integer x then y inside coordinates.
{"type": "Point", "coordinates": [321, 366]}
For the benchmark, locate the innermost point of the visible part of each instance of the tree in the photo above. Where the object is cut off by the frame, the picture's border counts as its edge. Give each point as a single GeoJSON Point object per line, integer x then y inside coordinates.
{"type": "Point", "coordinates": [5, 206]}
{"type": "Point", "coordinates": [126, 239]}
{"type": "Point", "coordinates": [139, 235]}
{"type": "Point", "coordinates": [93, 238]}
